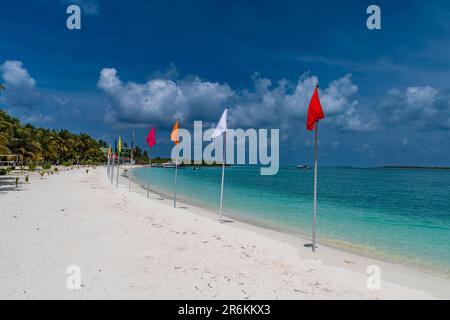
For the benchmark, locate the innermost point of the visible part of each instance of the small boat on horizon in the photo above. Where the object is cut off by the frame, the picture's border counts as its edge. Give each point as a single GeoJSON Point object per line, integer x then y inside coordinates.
{"type": "Point", "coordinates": [303, 166]}
{"type": "Point", "coordinates": [171, 165]}
{"type": "Point", "coordinates": [168, 165]}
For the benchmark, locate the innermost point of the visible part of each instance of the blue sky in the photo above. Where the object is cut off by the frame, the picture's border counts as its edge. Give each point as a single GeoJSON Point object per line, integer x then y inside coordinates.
{"type": "Point", "coordinates": [385, 93]}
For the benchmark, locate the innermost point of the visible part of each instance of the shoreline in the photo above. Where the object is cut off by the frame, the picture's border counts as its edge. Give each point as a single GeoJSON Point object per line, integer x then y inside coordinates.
{"type": "Point", "coordinates": [263, 228]}
{"type": "Point", "coordinates": [130, 247]}
{"type": "Point", "coordinates": [298, 240]}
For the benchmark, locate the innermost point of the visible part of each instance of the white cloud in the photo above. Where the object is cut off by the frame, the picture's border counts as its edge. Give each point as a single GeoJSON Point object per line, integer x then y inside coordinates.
{"type": "Point", "coordinates": [61, 101]}
{"type": "Point", "coordinates": [161, 100]}
{"type": "Point", "coordinates": [286, 104]}
{"type": "Point", "coordinates": [272, 105]}
{"type": "Point", "coordinates": [20, 86]}
{"type": "Point", "coordinates": [282, 105]}
{"type": "Point", "coordinates": [36, 119]}
{"type": "Point", "coordinates": [337, 97]}
{"type": "Point", "coordinates": [15, 74]}
{"type": "Point", "coordinates": [425, 108]}
{"type": "Point", "coordinates": [351, 120]}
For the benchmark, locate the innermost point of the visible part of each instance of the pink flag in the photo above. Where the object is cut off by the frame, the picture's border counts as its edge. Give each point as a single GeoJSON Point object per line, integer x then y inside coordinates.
{"type": "Point", "coordinates": [151, 139]}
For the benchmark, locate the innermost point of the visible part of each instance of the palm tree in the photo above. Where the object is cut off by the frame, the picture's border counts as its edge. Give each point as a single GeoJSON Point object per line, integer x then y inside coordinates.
{"type": "Point", "coordinates": [6, 130]}
{"type": "Point", "coordinates": [23, 144]}
{"type": "Point", "coordinates": [3, 135]}
{"type": "Point", "coordinates": [37, 145]}
{"type": "Point", "coordinates": [48, 140]}
{"type": "Point", "coordinates": [3, 144]}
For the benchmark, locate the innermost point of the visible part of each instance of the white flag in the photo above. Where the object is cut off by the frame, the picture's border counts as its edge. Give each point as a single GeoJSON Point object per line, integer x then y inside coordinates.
{"type": "Point", "coordinates": [222, 126]}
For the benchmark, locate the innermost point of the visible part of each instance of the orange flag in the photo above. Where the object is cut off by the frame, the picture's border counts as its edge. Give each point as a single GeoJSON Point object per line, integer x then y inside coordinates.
{"type": "Point", "coordinates": [174, 135]}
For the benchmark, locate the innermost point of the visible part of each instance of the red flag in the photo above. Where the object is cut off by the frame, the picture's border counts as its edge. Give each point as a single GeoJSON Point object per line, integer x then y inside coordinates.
{"type": "Point", "coordinates": [315, 112]}
{"type": "Point", "coordinates": [151, 139]}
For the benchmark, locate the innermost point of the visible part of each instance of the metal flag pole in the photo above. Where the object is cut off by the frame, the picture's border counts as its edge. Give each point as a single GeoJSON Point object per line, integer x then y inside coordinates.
{"type": "Point", "coordinates": [223, 176]}
{"type": "Point", "coordinates": [131, 167]}
{"type": "Point", "coordinates": [107, 166]}
{"type": "Point", "coordinates": [110, 160]}
{"type": "Point", "coordinates": [149, 167]}
{"type": "Point", "coordinates": [111, 174]}
{"type": "Point", "coordinates": [175, 192]}
{"type": "Point", "coordinates": [118, 170]}
{"type": "Point", "coordinates": [113, 160]}
{"type": "Point", "coordinates": [131, 162]}
{"type": "Point", "coordinates": [315, 186]}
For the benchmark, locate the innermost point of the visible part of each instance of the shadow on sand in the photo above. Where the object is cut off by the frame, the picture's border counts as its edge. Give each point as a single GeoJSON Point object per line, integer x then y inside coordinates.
{"type": "Point", "coordinates": [309, 245]}
{"type": "Point", "coordinates": [225, 221]}
{"type": "Point", "coordinates": [8, 183]}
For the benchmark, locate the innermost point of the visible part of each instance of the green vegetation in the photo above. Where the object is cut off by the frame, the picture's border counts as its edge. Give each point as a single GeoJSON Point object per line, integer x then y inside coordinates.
{"type": "Point", "coordinates": [140, 156]}
{"type": "Point", "coordinates": [40, 148]}
{"type": "Point", "coordinates": [45, 146]}
{"type": "Point", "coordinates": [46, 166]}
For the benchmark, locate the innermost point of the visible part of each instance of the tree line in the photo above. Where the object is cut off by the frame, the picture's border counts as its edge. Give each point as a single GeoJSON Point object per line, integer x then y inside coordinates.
{"type": "Point", "coordinates": [38, 145]}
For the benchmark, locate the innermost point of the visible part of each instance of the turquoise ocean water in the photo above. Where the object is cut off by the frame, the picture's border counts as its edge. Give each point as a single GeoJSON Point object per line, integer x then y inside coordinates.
{"type": "Point", "coordinates": [399, 215]}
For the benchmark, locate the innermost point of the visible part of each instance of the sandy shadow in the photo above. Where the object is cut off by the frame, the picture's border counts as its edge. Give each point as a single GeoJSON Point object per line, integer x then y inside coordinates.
{"type": "Point", "coordinates": [9, 184]}
{"type": "Point", "coordinates": [309, 245]}
{"type": "Point", "coordinates": [225, 221]}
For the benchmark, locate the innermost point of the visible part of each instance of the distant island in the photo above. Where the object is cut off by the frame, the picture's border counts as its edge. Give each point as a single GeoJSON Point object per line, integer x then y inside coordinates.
{"type": "Point", "coordinates": [417, 167]}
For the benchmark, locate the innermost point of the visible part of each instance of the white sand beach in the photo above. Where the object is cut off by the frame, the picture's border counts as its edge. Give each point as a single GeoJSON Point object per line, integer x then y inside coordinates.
{"type": "Point", "coordinates": [131, 247]}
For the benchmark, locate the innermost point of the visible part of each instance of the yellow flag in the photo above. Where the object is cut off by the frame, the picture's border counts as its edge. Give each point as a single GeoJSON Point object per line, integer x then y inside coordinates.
{"type": "Point", "coordinates": [119, 145]}
{"type": "Point", "coordinates": [110, 151]}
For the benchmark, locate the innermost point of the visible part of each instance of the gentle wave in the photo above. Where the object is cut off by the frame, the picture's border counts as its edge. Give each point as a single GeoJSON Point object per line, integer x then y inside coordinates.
{"type": "Point", "coordinates": [400, 216]}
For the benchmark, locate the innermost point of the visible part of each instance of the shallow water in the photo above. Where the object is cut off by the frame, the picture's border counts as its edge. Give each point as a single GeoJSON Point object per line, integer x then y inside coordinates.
{"type": "Point", "coordinates": [395, 214]}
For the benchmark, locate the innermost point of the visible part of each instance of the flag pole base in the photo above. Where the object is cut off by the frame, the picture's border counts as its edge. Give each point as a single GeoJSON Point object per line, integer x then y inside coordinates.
{"type": "Point", "coordinates": [312, 246]}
